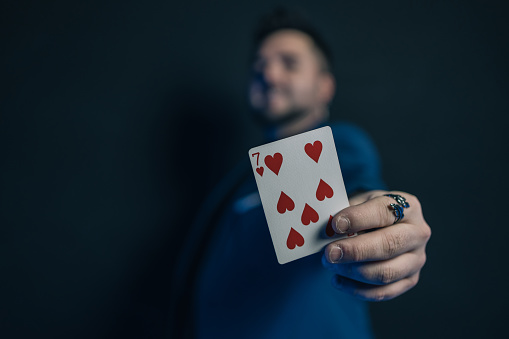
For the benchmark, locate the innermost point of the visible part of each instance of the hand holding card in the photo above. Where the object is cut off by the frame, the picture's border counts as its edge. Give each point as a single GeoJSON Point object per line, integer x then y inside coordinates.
{"type": "Point", "coordinates": [301, 187]}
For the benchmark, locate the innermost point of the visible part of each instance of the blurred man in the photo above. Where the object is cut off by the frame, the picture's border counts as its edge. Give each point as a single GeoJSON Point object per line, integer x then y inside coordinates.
{"type": "Point", "coordinates": [235, 287]}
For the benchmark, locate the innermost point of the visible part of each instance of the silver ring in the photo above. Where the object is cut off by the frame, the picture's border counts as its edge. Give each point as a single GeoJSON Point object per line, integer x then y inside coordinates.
{"type": "Point", "coordinates": [398, 212]}
{"type": "Point", "coordinates": [399, 199]}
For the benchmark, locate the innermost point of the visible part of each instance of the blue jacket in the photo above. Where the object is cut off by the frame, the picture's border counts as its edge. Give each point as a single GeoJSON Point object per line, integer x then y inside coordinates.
{"type": "Point", "coordinates": [242, 292]}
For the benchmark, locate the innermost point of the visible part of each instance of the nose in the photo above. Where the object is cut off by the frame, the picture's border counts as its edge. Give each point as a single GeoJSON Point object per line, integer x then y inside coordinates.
{"type": "Point", "coordinates": [271, 74]}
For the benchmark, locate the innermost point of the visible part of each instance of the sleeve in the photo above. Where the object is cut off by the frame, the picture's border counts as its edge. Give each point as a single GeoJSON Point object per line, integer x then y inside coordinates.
{"type": "Point", "coordinates": [358, 158]}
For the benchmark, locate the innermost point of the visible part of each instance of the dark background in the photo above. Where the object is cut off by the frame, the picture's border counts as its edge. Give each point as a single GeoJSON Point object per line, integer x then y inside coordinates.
{"type": "Point", "coordinates": [118, 117]}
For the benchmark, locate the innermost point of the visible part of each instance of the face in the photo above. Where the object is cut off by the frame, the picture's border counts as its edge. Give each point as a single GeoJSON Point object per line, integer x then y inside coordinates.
{"type": "Point", "coordinates": [289, 77]}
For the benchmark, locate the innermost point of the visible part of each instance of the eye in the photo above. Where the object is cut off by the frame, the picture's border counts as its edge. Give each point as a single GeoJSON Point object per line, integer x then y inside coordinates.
{"type": "Point", "coordinates": [290, 62]}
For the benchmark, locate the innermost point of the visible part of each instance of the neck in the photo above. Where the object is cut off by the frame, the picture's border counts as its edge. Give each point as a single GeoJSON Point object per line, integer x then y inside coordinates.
{"type": "Point", "coordinates": [303, 124]}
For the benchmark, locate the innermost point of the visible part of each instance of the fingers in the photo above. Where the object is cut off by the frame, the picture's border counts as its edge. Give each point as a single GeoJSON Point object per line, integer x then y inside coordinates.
{"type": "Point", "coordinates": [362, 197]}
{"type": "Point", "coordinates": [373, 292]}
{"type": "Point", "coordinates": [386, 262]}
{"type": "Point", "coordinates": [375, 212]}
{"type": "Point", "coordinates": [379, 245]}
{"type": "Point", "coordinates": [382, 272]}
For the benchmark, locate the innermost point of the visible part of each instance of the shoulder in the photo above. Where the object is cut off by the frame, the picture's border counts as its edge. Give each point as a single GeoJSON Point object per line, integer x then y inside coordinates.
{"type": "Point", "coordinates": [358, 156]}
{"type": "Point", "coordinates": [350, 137]}
{"type": "Point", "coordinates": [348, 132]}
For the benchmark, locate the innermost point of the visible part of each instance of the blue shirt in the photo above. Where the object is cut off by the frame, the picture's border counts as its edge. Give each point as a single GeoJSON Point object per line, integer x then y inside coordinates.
{"type": "Point", "coordinates": [242, 291]}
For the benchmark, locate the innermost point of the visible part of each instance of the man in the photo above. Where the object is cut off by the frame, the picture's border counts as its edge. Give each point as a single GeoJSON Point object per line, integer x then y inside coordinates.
{"type": "Point", "coordinates": [237, 289]}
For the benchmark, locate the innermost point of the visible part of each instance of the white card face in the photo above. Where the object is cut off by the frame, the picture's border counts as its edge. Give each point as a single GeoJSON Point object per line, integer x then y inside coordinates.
{"type": "Point", "coordinates": [301, 188]}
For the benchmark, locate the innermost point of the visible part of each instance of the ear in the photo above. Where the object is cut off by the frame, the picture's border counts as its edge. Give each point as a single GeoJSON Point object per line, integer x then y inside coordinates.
{"type": "Point", "coordinates": [327, 87]}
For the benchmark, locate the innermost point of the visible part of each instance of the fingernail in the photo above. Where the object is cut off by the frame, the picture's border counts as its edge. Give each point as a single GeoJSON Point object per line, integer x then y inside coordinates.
{"type": "Point", "coordinates": [342, 224]}
{"type": "Point", "coordinates": [335, 254]}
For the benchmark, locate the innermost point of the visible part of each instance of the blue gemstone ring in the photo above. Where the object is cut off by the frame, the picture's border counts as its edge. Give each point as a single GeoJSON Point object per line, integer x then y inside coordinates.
{"type": "Point", "coordinates": [398, 212]}
{"type": "Point", "coordinates": [399, 199]}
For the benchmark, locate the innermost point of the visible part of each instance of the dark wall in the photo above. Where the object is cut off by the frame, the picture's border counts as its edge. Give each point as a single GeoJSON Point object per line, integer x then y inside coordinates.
{"type": "Point", "coordinates": [117, 118]}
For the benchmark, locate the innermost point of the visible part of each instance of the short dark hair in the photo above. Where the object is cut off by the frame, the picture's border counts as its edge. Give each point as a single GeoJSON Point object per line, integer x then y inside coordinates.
{"type": "Point", "coordinates": [283, 18]}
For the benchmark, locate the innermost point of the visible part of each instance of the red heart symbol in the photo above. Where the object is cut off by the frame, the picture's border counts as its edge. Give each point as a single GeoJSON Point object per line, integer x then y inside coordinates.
{"type": "Point", "coordinates": [259, 170]}
{"type": "Point", "coordinates": [314, 150]}
{"type": "Point", "coordinates": [285, 203]}
{"type": "Point", "coordinates": [294, 239]}
{"type": "Point", "coordinates": [329, 230]}
{"type": "Point", "coordinates": [274, 162]}
{"type": "Point", "coordinates": [324, 190]}
{"type": "Point", "coordinates": [308, 215]}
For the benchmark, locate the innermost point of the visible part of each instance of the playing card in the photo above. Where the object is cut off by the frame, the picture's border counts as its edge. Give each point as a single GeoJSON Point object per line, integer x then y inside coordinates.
{"type": "Point", "coordinates": [301, 188]}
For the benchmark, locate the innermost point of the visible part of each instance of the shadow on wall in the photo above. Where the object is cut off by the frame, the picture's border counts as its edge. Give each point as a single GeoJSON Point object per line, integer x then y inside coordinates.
{"type": "Point", "coordinates": [201, 146]}
{"type": "Point", "coordinates": [198, 134]}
